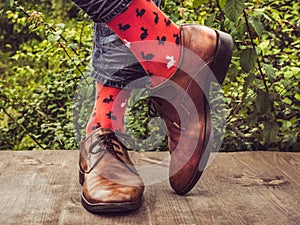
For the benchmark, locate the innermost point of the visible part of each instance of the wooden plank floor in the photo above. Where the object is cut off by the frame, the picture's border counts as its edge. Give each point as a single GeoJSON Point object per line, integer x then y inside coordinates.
{"type": "Point", "coordinates": [41, 187]}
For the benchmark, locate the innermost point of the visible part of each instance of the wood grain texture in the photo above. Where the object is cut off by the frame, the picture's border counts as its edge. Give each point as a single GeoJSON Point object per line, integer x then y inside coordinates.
{"type": "Point", "coordinates": [41, 187]}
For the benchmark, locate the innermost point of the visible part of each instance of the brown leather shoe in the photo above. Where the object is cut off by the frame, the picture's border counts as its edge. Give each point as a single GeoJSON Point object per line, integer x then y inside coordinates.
{"type": "Point", "coordinates": [110, 181]}
{"type": "Point", "coordinates": [182, 101]}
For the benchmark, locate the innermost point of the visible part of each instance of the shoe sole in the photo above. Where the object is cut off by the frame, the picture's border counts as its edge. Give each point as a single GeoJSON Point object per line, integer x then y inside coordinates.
{"type": "Point", "coordinates": [219, 68]}
{"type": "Point", "coordinates": [108, 207]}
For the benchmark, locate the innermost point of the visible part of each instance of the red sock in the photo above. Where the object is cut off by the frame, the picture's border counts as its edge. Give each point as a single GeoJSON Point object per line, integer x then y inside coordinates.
{"type": "Point", "coordinates": [150, 35]}
{"type": "Point", "coordinates": [109, 110]}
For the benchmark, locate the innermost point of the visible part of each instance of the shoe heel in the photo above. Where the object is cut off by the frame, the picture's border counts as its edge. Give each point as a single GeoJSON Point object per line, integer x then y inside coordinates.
{"type": "Point", "coordinates": [223, 56]}
{"type": "Point", "coordinates": [81, 177]}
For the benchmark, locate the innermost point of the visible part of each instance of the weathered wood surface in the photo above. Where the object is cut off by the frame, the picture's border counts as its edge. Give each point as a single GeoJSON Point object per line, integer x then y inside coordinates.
{"type": "Point", "coordinates": [41, 187]}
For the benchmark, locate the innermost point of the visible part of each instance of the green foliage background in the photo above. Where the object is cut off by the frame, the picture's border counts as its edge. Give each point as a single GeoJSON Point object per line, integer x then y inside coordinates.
{"type": "Point", "coordinates": [45, 50]}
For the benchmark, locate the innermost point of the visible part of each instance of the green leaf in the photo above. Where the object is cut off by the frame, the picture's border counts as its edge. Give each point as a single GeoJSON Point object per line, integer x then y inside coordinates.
{"type": "Point", "coordinates": [90, 91]}
{"type": "Point", "coordinates": [60, 25]}
{"type": "Point", "coordinates": [265, 47]}
{"type": "Point", "coordinates": [270, 72]}
{"type": "Point", "coordinates": [252, 120]}
{"type": "Point", "coordinates": [263, 102]}
{"type": "Point", "coordinates": [53, 38]}
{"type": "Point", "coordinates": [198, 3]}
{"type": "Point", "coordinates": [259, 12]}
{"type": "Point", "coordinates": [233, 72]}
{"type": "Point", "coordinates": [73, 46]}
{"type": "Point", "coordinates": [234, 8]}
{"type": "Point", "coordinates": [248, 59]}
{"type": "Point", "coordinates": [222, 3]}
{"type": "Point", "coordinates": [21, 120]}
{"type": "Point", "coordinates": [249, 80]}
{"type": "Point", "coordinates": [287, 101]}
{"type": "Point", "coordinates": [285, 124]}
{"type": "Point", "coordinates": [257, 25]}
{"type": "Point", "coordinates": [11, 3]}
{"type": "Point", "coordinates": [295, 71]}
{"type": "Point", "coordinates": [288, 74]}
{"type": "Point", "coordinates": [270, 132]}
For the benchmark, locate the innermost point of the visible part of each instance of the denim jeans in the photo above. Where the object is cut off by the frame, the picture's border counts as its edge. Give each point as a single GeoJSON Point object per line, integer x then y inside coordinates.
{"type": "Point", "coordinates": [113, 64]}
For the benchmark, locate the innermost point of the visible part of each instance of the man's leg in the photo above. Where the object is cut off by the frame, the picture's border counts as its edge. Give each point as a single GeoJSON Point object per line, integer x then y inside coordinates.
{"type": "Point", "coordinates": [109, 109]}
{"type": "Point", "coordinates": [110, 181]}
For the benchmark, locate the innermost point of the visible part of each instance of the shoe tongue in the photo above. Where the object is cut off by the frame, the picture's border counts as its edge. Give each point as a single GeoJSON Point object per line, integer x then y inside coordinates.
{"type": "Point", "coordinates": [102, 131]}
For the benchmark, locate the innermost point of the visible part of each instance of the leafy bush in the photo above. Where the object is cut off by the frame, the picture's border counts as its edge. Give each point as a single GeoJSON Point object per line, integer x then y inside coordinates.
{"type": "Point", "coordinates": [46, 49]}
{"type": "Point", "coordinates": [40, 71]}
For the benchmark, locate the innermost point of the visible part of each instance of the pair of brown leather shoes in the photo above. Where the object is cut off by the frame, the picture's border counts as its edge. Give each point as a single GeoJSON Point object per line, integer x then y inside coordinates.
{"type": "Point", "coordinates": [110, 181]}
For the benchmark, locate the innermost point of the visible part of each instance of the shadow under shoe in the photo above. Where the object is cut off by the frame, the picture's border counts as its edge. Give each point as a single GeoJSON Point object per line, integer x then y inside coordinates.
{"type": "Point", "coordinates": [110, 181]}
{"type": "Point", "coordinates": [182, 102]}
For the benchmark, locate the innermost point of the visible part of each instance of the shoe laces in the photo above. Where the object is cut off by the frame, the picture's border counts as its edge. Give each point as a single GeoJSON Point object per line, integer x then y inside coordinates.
{"type": "Point", "coordinates": [110, 143]}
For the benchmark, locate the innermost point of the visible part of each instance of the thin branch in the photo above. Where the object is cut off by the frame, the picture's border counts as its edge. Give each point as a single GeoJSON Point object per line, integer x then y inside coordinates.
{"type": "Point", "coordinates": [53, 30]}
{"type": "Point", "coordinates": [263, 76]}
{"type": "Point", "coordinates": [221, 10]}
{"type": "Point", "coordinates": [23, 128]}
{"type": "Point", "coordinates": [70, 57]}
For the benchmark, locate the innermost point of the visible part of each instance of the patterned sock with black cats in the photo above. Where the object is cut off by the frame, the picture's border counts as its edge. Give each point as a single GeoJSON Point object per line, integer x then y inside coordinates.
{"type": "Point", "coordinates": [109, 109]}
{"type": "Point", "coordinates": [151, 36]}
